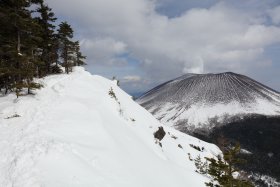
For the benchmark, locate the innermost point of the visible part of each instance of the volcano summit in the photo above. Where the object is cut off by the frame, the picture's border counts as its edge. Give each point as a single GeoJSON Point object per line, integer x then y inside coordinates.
{"type": "Point", "coordinates": [195, 100]}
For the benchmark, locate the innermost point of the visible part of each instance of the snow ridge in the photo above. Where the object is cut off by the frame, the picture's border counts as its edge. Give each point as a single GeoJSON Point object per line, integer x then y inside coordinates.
{"type": "Point", "coordinates": [71, 133]}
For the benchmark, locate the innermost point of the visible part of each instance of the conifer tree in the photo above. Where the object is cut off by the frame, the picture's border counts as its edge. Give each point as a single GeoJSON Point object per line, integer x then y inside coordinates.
{"type": "Point", "coordinates": [49, 38]}
{"type": "Point", "coordinates": [19, 42]}
{"type": "Point", "coordinates": [222, 170]}
{"type": "Point", "coordinates": [201, 166]}
{"type": "Point", "coordinates": [65, 33]}
{"type": "Point", "coordinates": [30, 46]}
{"type": "Point", "coordinates": [5, 66]}
{"type": "Point", "coordinates": [79, 58]}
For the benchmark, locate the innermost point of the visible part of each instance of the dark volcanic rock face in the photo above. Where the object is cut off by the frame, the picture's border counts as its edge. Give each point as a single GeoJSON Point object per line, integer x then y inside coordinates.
{"type": "Point", "coordinates": [234, 106]}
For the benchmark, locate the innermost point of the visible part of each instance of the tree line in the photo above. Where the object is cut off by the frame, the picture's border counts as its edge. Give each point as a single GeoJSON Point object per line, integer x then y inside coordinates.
{"type": "Point", "coordinates": [32, 46]}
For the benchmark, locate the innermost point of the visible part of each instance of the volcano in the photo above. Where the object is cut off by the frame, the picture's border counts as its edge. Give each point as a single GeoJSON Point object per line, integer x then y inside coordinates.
{"type": "Point", "coordinates": [197, 100]}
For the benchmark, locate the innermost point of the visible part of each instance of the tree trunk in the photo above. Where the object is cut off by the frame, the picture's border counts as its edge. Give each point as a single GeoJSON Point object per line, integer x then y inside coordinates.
{"type": "Point", "coordinates": [18, 42]}
{"type": "Point", "coordinates": [66, 60]}
{"type": "Point", "coordinates": [6, 90]}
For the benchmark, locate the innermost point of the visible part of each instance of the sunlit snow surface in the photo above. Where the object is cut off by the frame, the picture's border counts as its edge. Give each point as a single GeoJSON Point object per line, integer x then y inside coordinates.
{"type": "Point", "coordinates": [72, 133]}
{"type": "Point", "coordinates": [195, 99]}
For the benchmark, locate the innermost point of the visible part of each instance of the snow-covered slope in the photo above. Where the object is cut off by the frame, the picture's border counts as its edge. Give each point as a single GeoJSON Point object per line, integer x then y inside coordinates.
{"type": "Point", "coordinates": [72, 133]}
{"type": "Point", "coordinates": [193, 100]}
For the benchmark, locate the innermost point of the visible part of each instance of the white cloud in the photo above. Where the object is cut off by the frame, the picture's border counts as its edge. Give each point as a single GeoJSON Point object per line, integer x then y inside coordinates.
{"type": "Point", "coordinates": [220, 38]}
{"type": "Point", "coordinates": [275, 15]}
{"type": "Point", "coordinates": [104, 50]}
{"type": "Point", "coordinates": [131, 78]}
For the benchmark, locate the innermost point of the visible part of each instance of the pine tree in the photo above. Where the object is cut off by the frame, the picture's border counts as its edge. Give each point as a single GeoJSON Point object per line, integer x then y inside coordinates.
{"type": "Point", "coordinates": [79, 58]}
{"type": "Point", "coordinates": [30, 46]}
{"type": "Point", "coordinates": [5, 69]}
{"type": "Point", "coordinates": [65, 33]}
{"type": "Point", "coordinates": [19, 38]}
{"type": "Point", "coordinates": [222, 170]}
{"type": "Point", "coordinates": [49, 42]}
{"type": "Point", "coordinates": [201, 166]}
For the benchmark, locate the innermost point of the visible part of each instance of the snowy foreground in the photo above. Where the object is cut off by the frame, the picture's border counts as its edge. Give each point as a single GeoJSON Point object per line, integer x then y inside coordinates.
{"type": "Point", "coordinates": [72, 133]}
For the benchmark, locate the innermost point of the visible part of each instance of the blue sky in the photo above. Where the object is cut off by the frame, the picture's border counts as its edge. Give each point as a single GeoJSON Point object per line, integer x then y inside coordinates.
{"type": "Point", "coordinates": [146, 42]}
{"type": "Point", "coordinates": [174, 8]}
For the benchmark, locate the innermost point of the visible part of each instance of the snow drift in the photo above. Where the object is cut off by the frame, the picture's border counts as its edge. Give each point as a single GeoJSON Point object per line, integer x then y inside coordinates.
{"type": "Point", "coordinates": [72, 133]}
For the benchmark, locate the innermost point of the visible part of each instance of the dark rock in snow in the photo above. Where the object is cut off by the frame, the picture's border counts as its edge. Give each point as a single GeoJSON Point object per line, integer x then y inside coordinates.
{"type": "Point", "coordinates": [159, 134]}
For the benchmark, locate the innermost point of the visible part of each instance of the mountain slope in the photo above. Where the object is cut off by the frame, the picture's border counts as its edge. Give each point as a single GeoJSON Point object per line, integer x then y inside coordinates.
{"type": "Point", "coordinates": [215, 107]}
{"type": "Point", "coordinates": [72, 133]}
{"type": "Point", "coordinates": [193, 100]}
